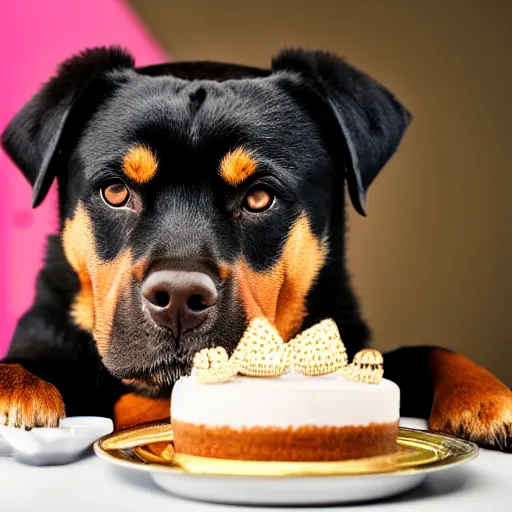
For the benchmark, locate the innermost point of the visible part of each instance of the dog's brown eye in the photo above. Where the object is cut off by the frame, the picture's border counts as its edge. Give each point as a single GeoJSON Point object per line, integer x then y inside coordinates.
{"type": "Point", "coordinates": [258, 200]}
{"type": "Point", "coordinates": [115, 194]}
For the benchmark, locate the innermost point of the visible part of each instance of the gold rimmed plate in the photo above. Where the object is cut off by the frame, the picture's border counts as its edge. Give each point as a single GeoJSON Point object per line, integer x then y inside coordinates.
{"type": "Point", "coordinates": [149, 448]}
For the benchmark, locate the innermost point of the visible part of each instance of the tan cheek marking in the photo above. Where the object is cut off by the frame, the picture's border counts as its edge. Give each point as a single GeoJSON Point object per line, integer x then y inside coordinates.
{"type": "Point", "coordinates": [139, 270]}
{"type": "Point", "coordinates": [78, 247]}
{"type": "Point", "coordinates": [303, 258]}
{"type": "Point", "coordinates": [82, 310]}
{"type": "Point", "coordinates": [225, 272]}
{"type": "Point", "coordinates": [101, 282]}
{"type": "Point", "coordinates": [140, 164]}
{"type": "Point", "coordinates": [280, 293]}
{"type": "Point", "coordinates": [237, 166]}
{"type": "Point", "coordinates": [112, 279]}
{"type": "Point", "coordinates": [259, 291]}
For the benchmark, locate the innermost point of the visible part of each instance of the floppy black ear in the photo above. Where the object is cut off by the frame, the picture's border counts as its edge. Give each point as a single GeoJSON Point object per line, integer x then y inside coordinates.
{"type": "Point", "coordinates": [34, 137]}
{"type": "Point", "coordinates": [370, 118]}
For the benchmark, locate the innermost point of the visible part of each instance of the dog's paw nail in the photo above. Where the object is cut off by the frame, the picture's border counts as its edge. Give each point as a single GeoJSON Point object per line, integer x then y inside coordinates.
{"type": "Point", "coordinates": [30, 403]}
{"type": "Point", "coordinates": [484, 419]}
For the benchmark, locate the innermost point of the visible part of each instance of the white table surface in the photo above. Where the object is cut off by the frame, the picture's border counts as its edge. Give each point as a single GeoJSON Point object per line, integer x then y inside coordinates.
{"type": "Point", "coordinates": [93, 485]}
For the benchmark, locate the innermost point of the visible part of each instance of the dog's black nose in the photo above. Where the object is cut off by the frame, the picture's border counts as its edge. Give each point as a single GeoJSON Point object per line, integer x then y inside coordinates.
{"type": "Point", "coordinates": [179, 300]}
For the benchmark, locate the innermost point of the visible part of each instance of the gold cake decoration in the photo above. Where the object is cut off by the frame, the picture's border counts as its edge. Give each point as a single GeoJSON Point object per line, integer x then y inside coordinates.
{"type": "Point", "coordinates": [212, 365]}
{"type": "Point", "coordinates": [318, 350]}
{"type": "Point", "coordinates": [262, 352]}
{"type": "Point", "coordinates": [367, 366]}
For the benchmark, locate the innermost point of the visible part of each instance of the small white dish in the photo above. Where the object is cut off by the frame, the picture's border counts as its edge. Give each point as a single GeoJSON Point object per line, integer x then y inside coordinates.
{"type": "Point", "coordinates": [56, 446]}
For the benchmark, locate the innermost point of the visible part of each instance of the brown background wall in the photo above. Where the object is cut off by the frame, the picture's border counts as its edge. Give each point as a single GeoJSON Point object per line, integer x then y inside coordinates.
{"type": "Point", "coordinates": [431, 260]}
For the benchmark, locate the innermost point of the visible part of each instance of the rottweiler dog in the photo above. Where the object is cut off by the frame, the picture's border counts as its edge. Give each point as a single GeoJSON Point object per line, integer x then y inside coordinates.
{"type": "Point", "coordinates": [194, 196]}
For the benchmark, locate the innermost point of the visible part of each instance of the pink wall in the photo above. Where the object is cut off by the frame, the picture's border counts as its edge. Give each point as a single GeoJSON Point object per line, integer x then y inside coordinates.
{"type": "Point", "coordinates": [36, 35]}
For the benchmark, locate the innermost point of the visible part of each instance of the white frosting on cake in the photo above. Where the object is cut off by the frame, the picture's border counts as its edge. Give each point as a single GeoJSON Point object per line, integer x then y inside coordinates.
{"type": "Point", "coordinates": [290, 400]}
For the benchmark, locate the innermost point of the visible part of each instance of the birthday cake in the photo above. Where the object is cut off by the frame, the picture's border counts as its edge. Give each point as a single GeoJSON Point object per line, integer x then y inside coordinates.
{"type": "Point", "coordinates": [295, 401]}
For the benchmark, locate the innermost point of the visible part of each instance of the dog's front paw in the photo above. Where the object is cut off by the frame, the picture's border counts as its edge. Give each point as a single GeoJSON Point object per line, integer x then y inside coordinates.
{"type": "Point", "coordinates": [26, 401]}
{"type": "Point", "coordinates": [474, 405]}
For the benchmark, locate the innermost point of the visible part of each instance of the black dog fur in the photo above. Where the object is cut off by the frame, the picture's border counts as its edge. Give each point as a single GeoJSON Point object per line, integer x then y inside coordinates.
{"type": "Point", "coordinates": [313, 123]}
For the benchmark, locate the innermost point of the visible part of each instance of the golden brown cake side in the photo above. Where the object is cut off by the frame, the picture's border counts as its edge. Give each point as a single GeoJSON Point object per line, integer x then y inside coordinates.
{"type": "Point", "coordinates": [305, 443]}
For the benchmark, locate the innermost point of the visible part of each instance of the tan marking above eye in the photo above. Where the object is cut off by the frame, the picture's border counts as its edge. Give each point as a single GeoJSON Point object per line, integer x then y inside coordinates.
{"type": "Point", "coordinates": [116, 194]}
{"type": "Point", "coordinates": [140, 164]}
{"type": "Point", "coordinates": [258, 200]}
{"type": "Point", "coordinates": [237, 166]}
